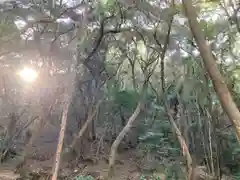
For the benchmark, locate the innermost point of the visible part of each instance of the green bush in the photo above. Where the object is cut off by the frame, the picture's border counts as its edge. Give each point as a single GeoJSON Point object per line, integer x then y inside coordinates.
{"type": "Point", "coordinates": [237, 176]}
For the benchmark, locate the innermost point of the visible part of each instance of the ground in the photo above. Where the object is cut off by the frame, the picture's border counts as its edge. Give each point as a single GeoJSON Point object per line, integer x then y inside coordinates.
{"type": "Point", "coordinates": [125, 168]}
{"type": "Point", "coordinates": [43, 152]}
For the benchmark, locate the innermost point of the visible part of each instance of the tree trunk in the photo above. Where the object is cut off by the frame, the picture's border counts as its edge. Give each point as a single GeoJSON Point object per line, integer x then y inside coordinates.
{"type": "Point", "coordinates": [183, 145]}
{"type": "Point", "coordinates": [119, 138]}
{"type": "Point", "coordinates": [210, 64]}
{"type": "Point", "coordinates": [90, 118]}
{"type": "Point", "coordinates": [60, 139]}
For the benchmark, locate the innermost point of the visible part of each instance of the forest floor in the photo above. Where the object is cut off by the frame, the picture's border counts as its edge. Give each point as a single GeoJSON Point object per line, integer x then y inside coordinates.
{"type": "Point", "coordinates": [125, 168]}
{"type": "Point", "coordinates": [42, 160]}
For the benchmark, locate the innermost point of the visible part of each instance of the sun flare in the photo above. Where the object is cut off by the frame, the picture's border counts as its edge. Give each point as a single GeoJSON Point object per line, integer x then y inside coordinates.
{"type": "Point", "coordinates": [28, 74]}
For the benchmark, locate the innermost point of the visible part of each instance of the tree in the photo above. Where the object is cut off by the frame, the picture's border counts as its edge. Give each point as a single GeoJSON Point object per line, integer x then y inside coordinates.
{"type": "Point", "coordinates": [211, 66]}
{"type": "Point", "coordinates": [135, 83]}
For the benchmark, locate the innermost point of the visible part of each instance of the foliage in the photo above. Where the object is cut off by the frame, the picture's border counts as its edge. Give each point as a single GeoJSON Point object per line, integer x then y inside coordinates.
{"type": "Point", "coordinates": [230, 155]}
{"type": "Point", "coordinates": [236, 176]}
{"type": "Point", "coordinates": [124, 51]}
{"type": "Point", "coordinates": [126, 99]}
{"type": "Point", "coordinates": [6, 29]}
{"type": "Point", "coordinates": [160, 140]}
{"type": "Point", "coordinates": [172, 172]}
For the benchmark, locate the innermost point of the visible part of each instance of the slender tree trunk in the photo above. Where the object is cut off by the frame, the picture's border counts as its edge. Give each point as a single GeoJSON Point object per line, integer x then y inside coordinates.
{"type": "Point", "coordinates": [92, 113]}
{"type": "Point", "coordinates": [60, 139]}
{"type": "Point", "coordinates": [210, 64]}
{"type": "Point", "coordinates": [69, 89]}
{"type": "Point", "coordinates": [179, 135]}
{"type": "Point", "coordinates": [119, 138]}
{"type": "Point", "coordinates": [183, 145]}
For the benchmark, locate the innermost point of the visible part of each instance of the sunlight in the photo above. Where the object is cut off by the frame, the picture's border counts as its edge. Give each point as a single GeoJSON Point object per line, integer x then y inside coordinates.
{"type": "Point", "coordinates": [28, 74]}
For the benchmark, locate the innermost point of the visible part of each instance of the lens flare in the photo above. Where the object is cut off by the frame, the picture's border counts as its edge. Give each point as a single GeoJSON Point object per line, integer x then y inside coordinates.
{"type": "Point", "coordinates": [28, 74]}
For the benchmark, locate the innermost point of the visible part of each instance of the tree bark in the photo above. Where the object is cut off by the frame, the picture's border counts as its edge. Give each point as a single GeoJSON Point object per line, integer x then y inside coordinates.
{"type": "Point", "coordinates": [210, 64]}
{"type": "Point", "coordinates": [120, 137]}
{"type": "Point", "coordinates": [183, 145]}
{"type": "Point", "coordinates": [60, 140]}
{"type": "Point", "coordinates": [92, 113]}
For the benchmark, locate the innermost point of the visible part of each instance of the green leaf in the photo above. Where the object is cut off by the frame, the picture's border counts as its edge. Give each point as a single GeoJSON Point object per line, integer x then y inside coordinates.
{"type": "Point", "coordinates": [106, 5]}
{"type": "Point", "coordinates": [104, 2]}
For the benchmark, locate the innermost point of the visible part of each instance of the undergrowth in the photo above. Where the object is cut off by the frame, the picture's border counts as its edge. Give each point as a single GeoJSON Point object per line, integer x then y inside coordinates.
{"type": "Point", "coordinates": [81, 177]}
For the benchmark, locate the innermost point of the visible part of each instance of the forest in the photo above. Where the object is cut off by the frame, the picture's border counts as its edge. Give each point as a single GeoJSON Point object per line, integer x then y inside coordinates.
{"type": "Point", "coordinates": [119, 90]}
